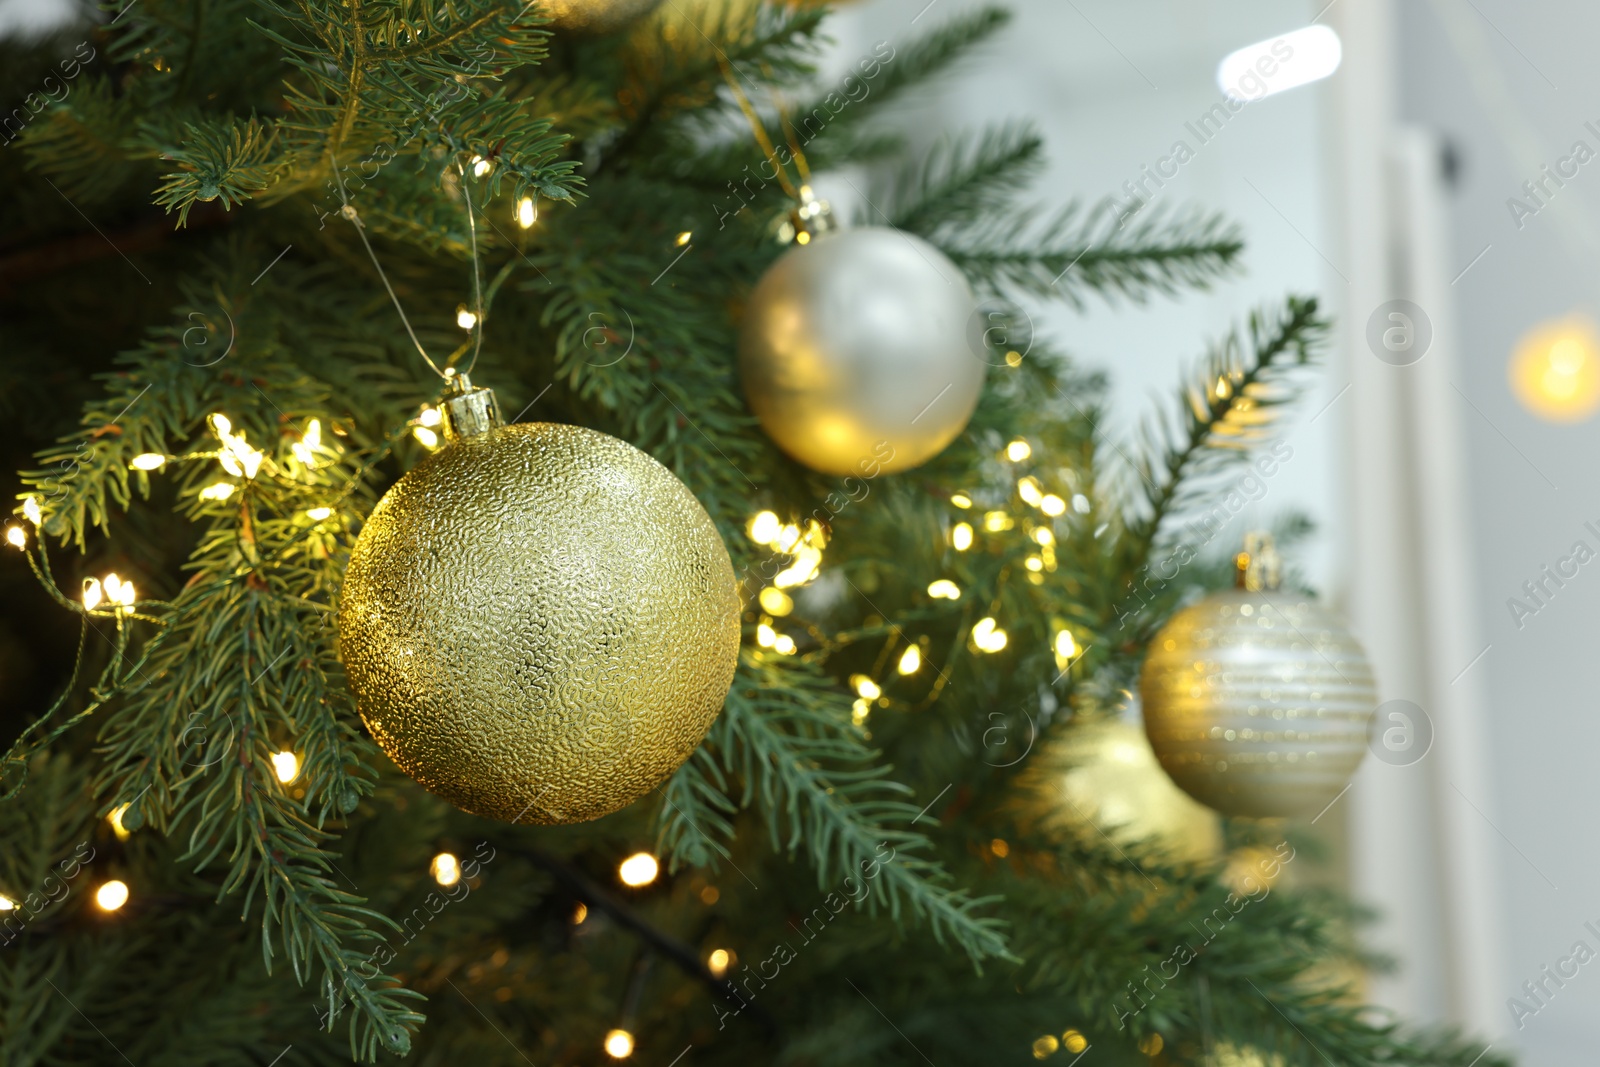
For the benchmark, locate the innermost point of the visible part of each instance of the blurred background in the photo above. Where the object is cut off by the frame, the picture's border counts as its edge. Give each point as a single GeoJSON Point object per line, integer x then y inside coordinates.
{"type": "Point", "coordinates": [1440, 192]}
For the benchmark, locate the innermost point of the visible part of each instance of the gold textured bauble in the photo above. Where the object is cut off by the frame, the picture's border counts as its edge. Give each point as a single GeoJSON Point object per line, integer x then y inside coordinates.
{"type": "Point", "coordinates": [1099, 781]}
{"type": "Point", "coordinates": [1258, 702]}
{"type": "Point", "coordinates": [539, 622]}
{"type": "Point", "coordinates": [595, 16]}
{"type": "Point", "coordinates": [855, 352]}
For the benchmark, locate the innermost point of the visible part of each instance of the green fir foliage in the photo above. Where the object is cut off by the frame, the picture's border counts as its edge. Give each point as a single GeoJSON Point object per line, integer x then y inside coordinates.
{"type": "Point", "coordinates": [188, 235]}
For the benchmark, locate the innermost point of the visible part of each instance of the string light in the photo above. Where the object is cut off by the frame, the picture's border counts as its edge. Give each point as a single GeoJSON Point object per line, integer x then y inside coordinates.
{"type": "Point", "coordinates": [465, 318]}
{"type": "Point", "coordinates": [119, 592]}
{"type": "Point", "coordinates": [148, 461]}
{"type": "Point", "coordinates": [1030, 491]}
{"type": "Point", "coordinates": [220, 491]}
{"type": "Point", "coordinates": [305, 449]}
{"type": "Point", "coordinates": [961, 537]}
{"type": "Point", "coordinates": [1034, 563]}
{"type": "Point", "coordinates": [775, 601]}
{"type": "Point", "coordinates": [30, 510]}
{"type": "Point", "coordinates": [764, 527]}
{"type": "Point", "coordinates": [1152, 1045]}
{"type": "Point", "coordinates": [1045, 1046]}
{"type": "Point", "coordinates": [996, 521]}
{"type": "Point", "coordinates": [111, 895]}
{"type": "Point", "coordinates": [788, 537]}
{"type": "Point", "coordinates": [639, 869]}
{"type": "Point", "coordinates": [1555, 370]}
{"type": "Point", "coordinates": [865, 687]}
{"type": "Point", "coordinates": [1053, 505]}
{"type": "Point", "coordinates": [802, 237]}
{"type": "Point", "coordinates": [580, 913]}
{"type": "Point", "coordinates": [286, 765]}
{"type": "Point", "coordinates": [710, 895]}
{"type": "Point", "coordinates": [684, 238]}
{"type": "Point", "coordinates": [961, 500]}
{"type": "Point", "coordinates": [481, 166]}
{"type": "Point", "coordinates": [220, 425]}
{"type": "Point", "coordinates": [765, 635]}
{"type": "Point", "coordinates": [527, 213]}
{"type": "Point", "coordinates": [17, 536]}
{"type": "Point", "coordinates": [446, 870]}
{"type": "Point", "coordinates": [6, 903]}
{"type": "Point", "coordinates": [619, 1044]}
{"type": "Point", "coordinates": [860, 710]}
{"type": "Point", "coordinates": [911, 660]}
{"type": "Point", "coordinates": [115, 819]}
{"type": "Point", "coordinates": [1042, 535]}
{"type": "Point", "coordinates": [987, 636]}
{"type": "Point", "coordinates": [92, 593]}
{"type": "Point", "coordinates": [428, 438]}
{"type": "Point", "coordinates": [944, 589]}
{"type": "Point", "coordinates": [784, 644]}
{"type": "Point", "coordinates": [1073, 1041]}
{"type": "Point", "coordinates": [318, 514]}
{"type": "Point", "coordinates": [1018, 450]}
{"type": "Point", "coordinates": [719, 961]}
{"type": "Point", "coordinates": [430, 417]}
{"type": "Point", "coordinates": [1066, 647]}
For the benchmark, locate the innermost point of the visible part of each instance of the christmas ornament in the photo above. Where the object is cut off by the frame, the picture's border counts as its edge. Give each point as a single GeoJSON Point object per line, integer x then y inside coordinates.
{"type": "Point", "coordinates": [1099, 781]}
{"type": "Point", "coordinates": [854, 352]}
{"type": "Point", "coordinates": [1258, 702]}
{"type": "Point", "coordinates": [595, 16]}
{"type": "Point", "coordinates": [539, 622]}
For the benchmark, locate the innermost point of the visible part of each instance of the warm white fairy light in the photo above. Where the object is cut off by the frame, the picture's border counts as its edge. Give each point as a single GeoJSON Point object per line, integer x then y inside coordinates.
{"type": "Point", "coordinates": [910, 660]}
{"type": "Point", "coordinates": [639, 869]}
{"type": "Point", "coordinates": [1018, 450]}
{"type": "Point", "coordinates": [17, 536]}
{"type": "Point", "coordinates": [115, 819]}
{"type": "Point", "coordinates": [764, 528]}
{"type": "Point", "coordinates": [305, 449]}
{"type": "Point", "coordinates": [430, 417]}
{"type": "Point", "coordinates": [765, 635]}
{"type": "Point", "coordinates": [684, 238]}
{"type": "Point", "coordinates": [118, 592]}
{"type": "Point", "coordinates": [286, 765]}
{"type": "Point", "coordinates": [6, 903]}
{"type": "Point", "coordinates": [865, 687]}
{"type": "Point", "coordinates": [961, 537]}
{"type": "Point", "coordinates": [465, 318]}
{"type": "Point", "coordinates": [219, 491]}
{"type": "Point", "coordinates": [527, 213]}
{"type": "Point", "coordinates": [428, 438]}
{"type": "Point", "coordinates": [481, 166]}
{"type": "Point", "coordinates": [1053, 505]}
{"type": "Point", "coordinates": [446, 869]}
{"type": "Point", "coordinates": [1030, 490]}
{"type": "Point", "coordinates": [988, 636]}
{"type": "Point", "coordinates": [788, 537]}
{"type": "Point", "coordinates": [111, 895]}
{"type": "Point", "coordinates": [220, 424]}
{"type": "Point", "coordinates": [775, 601]}
{"type": "Point", "coordinates": [32, 512]}
{"type": "Point", "coordinates": [1066, 646]}
{"type": "Point", "coordinates": [1034, 563]}
{"type": "Point", "coordinates": [719, 961]}
{"type": "Point", "coordinates": [147, 461]}
{"type": "Point", "coordinates": [619, 1044]}
{"type": "Point", "coordinates": [1042, 535]}
{"type": "Point", "coordinates": [944, 589]}
{"type": "Point", "coordinates": [318, 514]}
{"type": "Point", "coordinates": [961, 500]}
{"type": "Point", "coordinates": [783, 644]}
{"type": "Point", "coordinates": [92, 593]}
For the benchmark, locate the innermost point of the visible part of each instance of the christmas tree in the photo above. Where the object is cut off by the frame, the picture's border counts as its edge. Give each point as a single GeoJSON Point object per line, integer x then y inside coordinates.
{"type": "Point", "coordinates": [241, 239]}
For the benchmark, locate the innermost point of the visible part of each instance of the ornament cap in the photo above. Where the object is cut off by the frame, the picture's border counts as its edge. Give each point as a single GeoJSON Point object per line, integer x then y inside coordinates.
{"type": "Point", "coordinates": [1258, 567]}
{"type": "Point", "coordinates": [468, 410]}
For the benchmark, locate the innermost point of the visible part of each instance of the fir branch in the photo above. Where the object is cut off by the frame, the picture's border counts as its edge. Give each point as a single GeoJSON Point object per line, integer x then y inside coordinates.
{"type": "Point", "coordinates": [1075, 254]}
{"type": "Point", "coordinates": [963, 180]}
{"type": "Point", "coordinates": [782, 732]}
{"type": "Point", "coordinates": [1231, 405]}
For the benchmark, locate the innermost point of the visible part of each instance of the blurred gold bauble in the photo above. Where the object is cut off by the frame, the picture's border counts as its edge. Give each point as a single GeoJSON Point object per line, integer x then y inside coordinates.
{"type": "Point", "coordinates": [539, 622]}
{"type": "Point", "coordinates": [1258, 702]}
{"type": "Point", "coordinates": [595, 16]}
{"type": "Point", "coordinates": [855, 351]}
{"type": "Point", "coordinates": [1101, 778]}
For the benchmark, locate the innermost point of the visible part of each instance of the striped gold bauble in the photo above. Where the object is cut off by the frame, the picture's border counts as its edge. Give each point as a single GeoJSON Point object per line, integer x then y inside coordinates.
{"type": "Point", "coordinates": [1257, 701]}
